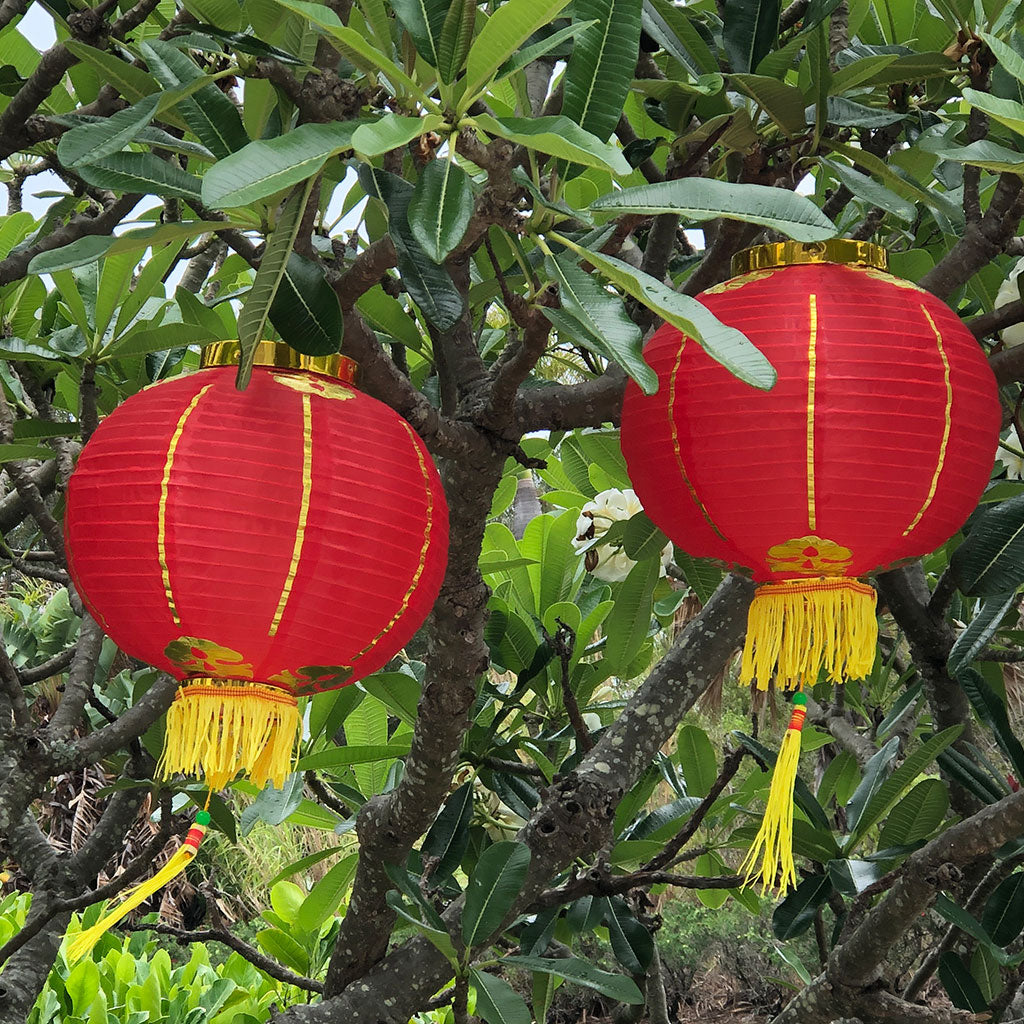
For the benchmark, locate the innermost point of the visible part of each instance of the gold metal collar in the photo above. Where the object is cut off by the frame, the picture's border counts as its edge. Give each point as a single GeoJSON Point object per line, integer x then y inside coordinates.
{"type": "Point", "coordinates": [281, 357]}
{"type": "Point", "coordinates": [836, 250]}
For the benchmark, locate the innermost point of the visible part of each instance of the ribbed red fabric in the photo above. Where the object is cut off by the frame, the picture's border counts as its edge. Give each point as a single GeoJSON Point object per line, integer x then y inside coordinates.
{"type": "Point", "coordinates": [295, 533]}
{"type": "Point", "coordinates": [876, 454]}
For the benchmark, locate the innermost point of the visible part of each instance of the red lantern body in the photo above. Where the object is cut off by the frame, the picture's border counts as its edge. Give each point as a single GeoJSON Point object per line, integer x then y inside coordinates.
{"type": "Point", "coordinates": [293, 534]}
{"type": "Point", "coordinates": [874, 445]}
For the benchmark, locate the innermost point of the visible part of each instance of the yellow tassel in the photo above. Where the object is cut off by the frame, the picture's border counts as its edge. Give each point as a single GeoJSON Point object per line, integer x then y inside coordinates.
{"type": "Point", "coordinates": [215, 729]}
{"type": "Point", "coordinates": [796, 628]}
{"type": "Point", "coordinates": [128, 900]}
{"type": "Point", "coordinates": [773, 844]}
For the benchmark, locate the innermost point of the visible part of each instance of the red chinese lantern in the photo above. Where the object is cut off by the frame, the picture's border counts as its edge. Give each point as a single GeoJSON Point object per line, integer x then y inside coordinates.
{"type": "Point", "coordinates": [872, 448]}
{"type": "Point", "coordinates": [258, 545]}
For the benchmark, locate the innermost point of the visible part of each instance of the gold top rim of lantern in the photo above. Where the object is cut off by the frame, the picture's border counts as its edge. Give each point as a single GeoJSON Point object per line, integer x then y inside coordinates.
{"type": "Point", "coordinates": [281, 356]}
{"type": "Point", "coordinates": [848, 251]}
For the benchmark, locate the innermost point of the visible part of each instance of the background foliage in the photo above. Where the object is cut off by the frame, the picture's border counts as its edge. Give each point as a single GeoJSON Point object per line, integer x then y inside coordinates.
{"type": "Point", "coordinates": [489, 205]}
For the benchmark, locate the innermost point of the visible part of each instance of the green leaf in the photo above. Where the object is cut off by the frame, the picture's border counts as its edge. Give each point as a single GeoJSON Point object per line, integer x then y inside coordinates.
{"type": "Point", "coordinates": [424, 21]}
{"type": "Point", "coordinates": [440, 208]}
{"type": "Point", "coordinates": [429, 285]}
{"type": "Point", "coordinates": [156, 339]}
{"type": "Point", "coordinates": [916, 816]}
{"type": "Point", "coordinates": [448, 837]}
{"type": "Point", "coordinates": [991, 709]}
{"type": "Point", "coordinates": [989, 156]}
{"type": "Point", "coordinates": [870, 191]}
{"type": "Point", "coordinates": [17, 452]}
{"type": "Point", "coordinates": [456, 38]}
{"type": "Point", "coordinates": [885, 794]}
{"type": "Point", "coordinates": [702, 576]}
{"type": "Point", "coordinates": [497, 1001]}
{"type": "Point", "coordinates": [387, 314]}
{"type": "Point", "coordinates": [696, 757]}
{"type": "Point", "coordinates": [357, 49]}
{"type": "Point", "coordinates": [392, 131]}
{"type": "Point", "coordinates": [90, 142]}
{"type": "Point", "coordinates": [556, 136]}
{"type": "Point", "coordinates": [306, 310]}
{"type": "Point", "coordinates": [131, 82]}
{"type": "Point", "coordinates": [795, 914]}
{"type": "Point", "coordinates": [783, 103]}
{"type": "Point", "coordinates": [1003, 917]}
{"type": "Point", "coordinates": [724, 344]}
{"type": "Point", "coordinates": [268, 166]}
{"type": "Point", "coordinates": [602, 317]}
{"type": "Point", "coordinates": [493, 888]}
{"type": "Point", "coordinates": [599, 72]}
{"type": "Point", "coordinates": [749, 31]}
{"type": "Point", "coordinates": [816, 67]}
{"type": "Point", "coordinates": [338, 757]}
{"type": "Point", "coordinates": [860, 72]}
{"type": "Point", "coordinates": [1009, 59]}
{"type": "Point", "coordinates": [701, 199]}
{"type": "Point", "coordinates": [991, 560]}
{"type": "Point", "coordinates": [631, 941]}
{"type": "Point", "coordinates": [210, 115]}
{"type": "Point", "coordinates": [627, 627]}
{"type": "Point", "coordinates": [962, 989]}
{"type": "Point", "coordinates": [642, 539]}
{"type": "Point", "coordinates": [530, 53]}
{"type": "Point", "coordinates": [671, 28]}
{"type": "Point", "coordinates": [971, 642]}
{"type": "Point", "coordinates": [441, 939]}
{"type": "Point", "coordinates": [281, 946]}
{"type": "Point", "coordinates": [871, 781]}
{"type": "Point", "coordinates": [141, 172]}
{"type": "Point", "coordinates": [1005, 111]}
{"type": "Point", "coordinates": [75, 254]}
{"type": "Point", "coordinates": [856, 115]}
{"type": "Point", "coordinates": [303, 864]}
{"type": "Point", "coordinates": [506, 30]}
{"type": "Point", "coordinates": [615, 986]}
{"type": "Point", "coordinates": [252, 320]}
{"type": "Point", "coordinates": [327, 894]}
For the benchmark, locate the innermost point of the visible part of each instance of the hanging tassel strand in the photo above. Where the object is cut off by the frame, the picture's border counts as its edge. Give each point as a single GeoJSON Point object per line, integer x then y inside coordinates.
{"type": "Point", "coordinates": [131, 898]}
{"type": "Point", "coordinates": [799, 627]}
{"type": "Point", "coordinates": [773, 845]}
{"type": "Point", "coordinates": [215, 729]}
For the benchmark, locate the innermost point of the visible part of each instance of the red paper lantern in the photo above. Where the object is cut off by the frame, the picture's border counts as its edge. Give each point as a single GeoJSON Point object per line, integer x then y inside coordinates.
{"type": "Point", "coordinates": [873, 446]}
{"type": "Point", "coordinates": [256, 544]}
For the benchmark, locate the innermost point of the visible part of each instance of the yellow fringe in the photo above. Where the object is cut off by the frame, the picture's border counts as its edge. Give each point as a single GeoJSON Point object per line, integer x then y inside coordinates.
{"type": "Point", "coordinates": [131, 898]}
{"type": "Point", "coordinates": [216, 729]}
{"type": "Point", "coordinates": [773, 845]}
{"type": "Point", "coordinates": [796, 628]}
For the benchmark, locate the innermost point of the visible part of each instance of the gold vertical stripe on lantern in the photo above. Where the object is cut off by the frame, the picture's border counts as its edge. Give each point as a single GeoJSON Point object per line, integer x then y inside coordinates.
{"type": "Point", "coordinates": [812, 371]}
{"type": "Point", "coordinates": [165, 483]}
{"type": "Point", "coordinates": [418, 573]}
{"type": "Point", "coordinates": [675, 441]}
{"type": "Point", "coordinates": [300, 528]}
{"type": "Point", "coordinates": [946, 427]}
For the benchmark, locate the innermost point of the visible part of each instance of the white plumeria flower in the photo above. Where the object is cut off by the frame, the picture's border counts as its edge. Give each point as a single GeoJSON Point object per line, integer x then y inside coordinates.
{"type": "Point", "coordinates": [605, 561]}
{"type": "Point", "coordinates": [1013, 462]}
{"type": "Point", "coordinates": [1009, 291]}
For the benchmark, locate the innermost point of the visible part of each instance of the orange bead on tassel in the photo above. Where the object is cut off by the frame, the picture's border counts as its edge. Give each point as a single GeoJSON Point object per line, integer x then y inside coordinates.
{"type": "Point", "coordinates": [128, 900]}
{"type": "Point", "coordinates": [773, 845]}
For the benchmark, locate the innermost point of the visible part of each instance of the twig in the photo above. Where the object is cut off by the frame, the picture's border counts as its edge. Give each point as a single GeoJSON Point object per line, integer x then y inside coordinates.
{"type": "Point", "coordinates": [562, 644]}
{"type": "Point", "coordinates": [50, 667]}
{"type": "Point", "coordinates": [265, 963]}
{"type": "Point", "coordinates": [730, 766]}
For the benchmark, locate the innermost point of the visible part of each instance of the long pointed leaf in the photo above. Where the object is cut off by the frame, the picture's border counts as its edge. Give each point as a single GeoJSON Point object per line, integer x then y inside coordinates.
{"type": "Point", "coordinates": [701, 199]}
{"type": "Point", "coordinates": [252, 320]}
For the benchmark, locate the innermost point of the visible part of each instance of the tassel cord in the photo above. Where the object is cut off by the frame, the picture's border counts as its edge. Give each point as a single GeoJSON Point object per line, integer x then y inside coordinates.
{"type": "Point", "coordinates": [128, 900]}
{"type": "Point", "coordinates": [773, 845]}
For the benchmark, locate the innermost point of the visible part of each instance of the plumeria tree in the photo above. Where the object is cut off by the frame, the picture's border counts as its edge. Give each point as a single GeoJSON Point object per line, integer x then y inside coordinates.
{"type": "Point", "coordinates": [489, 204]}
